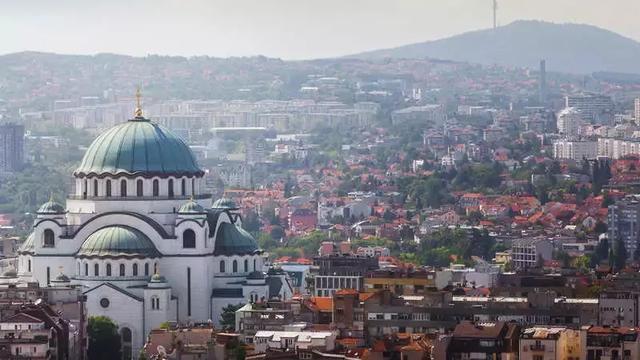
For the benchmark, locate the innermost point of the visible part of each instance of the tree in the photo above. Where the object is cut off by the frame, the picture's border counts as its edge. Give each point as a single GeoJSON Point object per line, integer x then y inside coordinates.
{"type": "Point", "coordinates": [619, 256]}
{"type": "Point", "coordinates": [104, 340]}
{"type": "Point", "coordinates": [251, 222]}
{"type": "Point", "coordinates": [228, 317]}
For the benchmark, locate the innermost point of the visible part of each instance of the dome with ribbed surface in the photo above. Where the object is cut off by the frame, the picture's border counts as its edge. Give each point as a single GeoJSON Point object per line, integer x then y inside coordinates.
{"type": "Point", "coordinates": [234, 240]}
{"type": "Point", "coordinates": [118, 241]}
{"type": "Point", "coordinates": [191, 207]}
{"type": "Point", "coordinates": [27, 246]}
{"type": "Point", "coordinates": [224, 203]}
{"type": "Point", "coordinates": [138, 147]}
{"type": "Point", "coordinates": [51, 207]}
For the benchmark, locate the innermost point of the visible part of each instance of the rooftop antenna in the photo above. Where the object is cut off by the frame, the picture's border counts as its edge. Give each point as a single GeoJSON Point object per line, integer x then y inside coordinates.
{"type": "Point", "coordinates": [495, 14]}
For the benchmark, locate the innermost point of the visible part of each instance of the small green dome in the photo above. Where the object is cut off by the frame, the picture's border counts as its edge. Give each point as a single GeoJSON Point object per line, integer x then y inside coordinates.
{"type": "Point", "coordinates": [191, 207]}
{"type": "Point", "coordinates": [118, 241]}
{"type": "Point", "coordinates": [157, 278]}
{"type": "Point", "coordinates": [139, 147]}
{"type": "Point", "coordinates": [27, 246]}
{"type": "Point", "coordinates": [11, 273]}
{"type": "Point", "coordinates": [51, 207]}
{"type": "Point", "coordinates": [234, 240]}
{"type": "Point", "coordinates": [61, 278]}
{"type": "Point", "coordinates": [224, 203]}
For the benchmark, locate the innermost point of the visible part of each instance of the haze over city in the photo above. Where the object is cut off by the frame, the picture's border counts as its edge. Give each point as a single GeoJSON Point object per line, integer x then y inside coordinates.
{"type": "Point", "coordinates": [288, 29]}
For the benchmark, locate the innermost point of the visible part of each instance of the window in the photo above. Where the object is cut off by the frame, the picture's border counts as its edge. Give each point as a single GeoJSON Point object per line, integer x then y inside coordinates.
{"type": "Point", "coordinates": [246, 265]}
{"type": "Point", "coordinates": [189, 239]}
{"type": "Point", "coordinates": [170, 188]}
{"type": "Point", "coordinates": [155, 303]}
{"type": "Point", "coordinates": [135, 269]}
{"type": "Point", "coordinates": [86, 269]}
{"type": "Point", "coordinates": [235, 266]}
{"type": "Point", "coordinates": [156, 188]}
{"type": "Point", "coordinates": [84, 189]}
{"type": "Point", "coordinates": [254, 265]}
{"type": "Point", "coordinates": [29, 265]}
{"type": "Point", "coordinates": [183, 188]}
{"type": "Point", "coordinates": [146, 269]}
{"type": "Point", "coordinates": [193, 186]}
{"type": "Point", "coordinates": [108, 188]}
{"type": "Point", "coordinates": [96, 270]}
{"type": "Point", "coordinates": [139, 188]}
{"type": "Point", "coordinates": [95, 187]}
{"type": "Point", "coordinates": [121, 269]}
{"type": "Point", "coordinates": [222, 267]}
{"type": "Point", "coordinates": [108, 269]}
{"type": "Point", "coordinates": [123, 188]}
{"type": "Point", "coordinates": [104, 302]}
{"type": "Point", "coordinates": [49, 238]}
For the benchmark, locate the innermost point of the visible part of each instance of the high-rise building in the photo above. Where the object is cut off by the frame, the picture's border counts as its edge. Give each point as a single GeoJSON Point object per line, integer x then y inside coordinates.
{"type": "Point", "coordinates": [591, 106]}
{"type": "Point", "coordinates": [623, 221]}
{"type": "Point", "coordinates": [636, 109]}
{"type": "Point", "coordinates": [569, 122]}
{"type": "Point", "coordinates": [11, 147]}
{"type": "Point", "coordinates": [542, 85]}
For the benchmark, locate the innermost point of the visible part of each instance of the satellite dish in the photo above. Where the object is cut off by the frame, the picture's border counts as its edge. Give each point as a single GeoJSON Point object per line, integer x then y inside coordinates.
{"type": "Point", "coordinates": [161, 350]}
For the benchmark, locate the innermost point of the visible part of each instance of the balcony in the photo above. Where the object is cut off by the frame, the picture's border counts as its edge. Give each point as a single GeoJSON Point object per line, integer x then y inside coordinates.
{"type": "Point", "coordinates": [536, 347]}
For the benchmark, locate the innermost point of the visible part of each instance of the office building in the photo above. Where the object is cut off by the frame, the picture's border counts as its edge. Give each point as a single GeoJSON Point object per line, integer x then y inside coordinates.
{"type": "Point", "coordinates": [11, 147]}
{"type": "Point", "coordinates": [591, 106]}
{"type": "Point", "coordinates": [623, 221]}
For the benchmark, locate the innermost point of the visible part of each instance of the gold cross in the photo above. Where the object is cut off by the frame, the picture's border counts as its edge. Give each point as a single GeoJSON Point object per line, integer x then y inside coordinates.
{"type": "Point", "coordinates": [138, 112]}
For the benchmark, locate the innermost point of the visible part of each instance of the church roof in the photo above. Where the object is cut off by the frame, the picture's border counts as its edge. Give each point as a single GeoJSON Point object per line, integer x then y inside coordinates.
{"type": "Point", "coordinates": [117, 241]}
{"type": "Point", "coordinates": [138, 147]}
{"type": "Point", "coordinates": [224, 203]}
{"type": "Point", "coordinates": [191, 207]}
{"type": "Point", "coordinates": [226, 293]}
{"type": "Point", "coordinates": [233, 240]}
{"type": "Point", "coordinates": [51, 207]}
{"type": "Point", "coordinates": [27, 245]}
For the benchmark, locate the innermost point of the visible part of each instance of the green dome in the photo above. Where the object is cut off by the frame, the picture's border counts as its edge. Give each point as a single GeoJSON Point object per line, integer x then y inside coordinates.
{"type": "Point", "coordinates": [233, 240]}
{"type": "Point", "coordinates": [118, 241]}
{"type": "Point", "coordinates": [51, 207]}
{"type": "Point", "coordinates": [224, 203]}
{"type": "Point", "coordinates": [27, 246]}
{"type": "Point", "coordinates": [139, 147]}
{"type": "Point", "coordinates": [191, 207]}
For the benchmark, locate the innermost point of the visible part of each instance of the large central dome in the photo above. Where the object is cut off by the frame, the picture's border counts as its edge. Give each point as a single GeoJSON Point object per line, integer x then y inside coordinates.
{"type": "Point", "coordinates": [138, 147]}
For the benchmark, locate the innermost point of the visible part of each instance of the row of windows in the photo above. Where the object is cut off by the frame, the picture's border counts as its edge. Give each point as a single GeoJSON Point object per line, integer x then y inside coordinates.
{"type": "Point", "coordinates": [121, 270]}
{"type": "Point", "coordinates": [234, 266]}
{"type": "Point", "coordinates": [188, 239]}
{"type": "Point", "coordinates": [139, 188]}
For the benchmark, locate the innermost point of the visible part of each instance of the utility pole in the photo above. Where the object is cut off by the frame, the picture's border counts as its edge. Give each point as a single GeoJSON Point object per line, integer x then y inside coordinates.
{"type": "Point", "coordinates": [495, 14]}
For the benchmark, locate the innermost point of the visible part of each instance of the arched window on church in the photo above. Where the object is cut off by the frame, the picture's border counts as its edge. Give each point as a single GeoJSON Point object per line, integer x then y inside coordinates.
{"type": "Point", "coordinates": [123, 188]}
{"type": "Point", "coordinates": [170, 188]}
{"type": "Point", "coordinates": [135, 269]}
{"type": "Point", "coordinates": [84, 189]}
{"type": "Point", "coordinates": [189, 239]}
{"type": "Point", "coordinates": [121, 269]}
{"type": "Point", "coordinates": [193, 186]}
{"type": "Point", "coordinates": [96, 270]}
{"type": "Point", "coordinates": [222, 267]}
{"type": "Point", "coordinates": [155, 303]}
{"type": "Point", "coordinates": [108, 188]}
{"type": "Point", "coordinates": [156, 187]}
{"type": "Point", "coordinates": [254, 265]}
{"type": "Point", "coordinates": [183, 187]}
{"type": "Point", "coordinates": [108, 269]}
{"type": "Point", "coordinates": [146, 269]}
{"type": "Point", "coordinates": [95, 188]}
{"type": "Point", "coordinates": [49, 238]}
{"type": "Point", "coordinates": [246, 265]}
{"type": "Point", "coordinates": [235, 266]}
{"type": "Point", "coordinates": [139, 188]}
{"type": "Point", "coordinates": [86, 269]}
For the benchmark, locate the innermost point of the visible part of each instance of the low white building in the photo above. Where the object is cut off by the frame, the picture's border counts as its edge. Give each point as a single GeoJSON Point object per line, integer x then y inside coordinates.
{"type": "Point", "coordinates": [319, 340]}
{"type": "Point", "coordinates": [526, 253]}
{"type": "Point", "coordinates": [575, 150]}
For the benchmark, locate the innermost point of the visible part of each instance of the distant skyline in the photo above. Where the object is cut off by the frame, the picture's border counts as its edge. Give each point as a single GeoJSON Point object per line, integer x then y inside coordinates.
{"type": "Point", "coordinates": [288, 29]}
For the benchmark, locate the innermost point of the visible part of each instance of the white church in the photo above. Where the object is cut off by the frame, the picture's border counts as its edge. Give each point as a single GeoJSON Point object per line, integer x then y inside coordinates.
{"type": "Point", "coordinates": [143, 240]}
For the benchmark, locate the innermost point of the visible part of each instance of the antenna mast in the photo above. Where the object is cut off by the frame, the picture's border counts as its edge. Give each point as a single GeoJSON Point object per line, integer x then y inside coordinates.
{"type": "Point", "coordinates": [495, 13]}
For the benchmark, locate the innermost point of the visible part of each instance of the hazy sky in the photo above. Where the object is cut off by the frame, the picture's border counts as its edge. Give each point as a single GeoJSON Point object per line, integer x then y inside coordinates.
{"type": "Point", "coordinates": [290, 29]}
